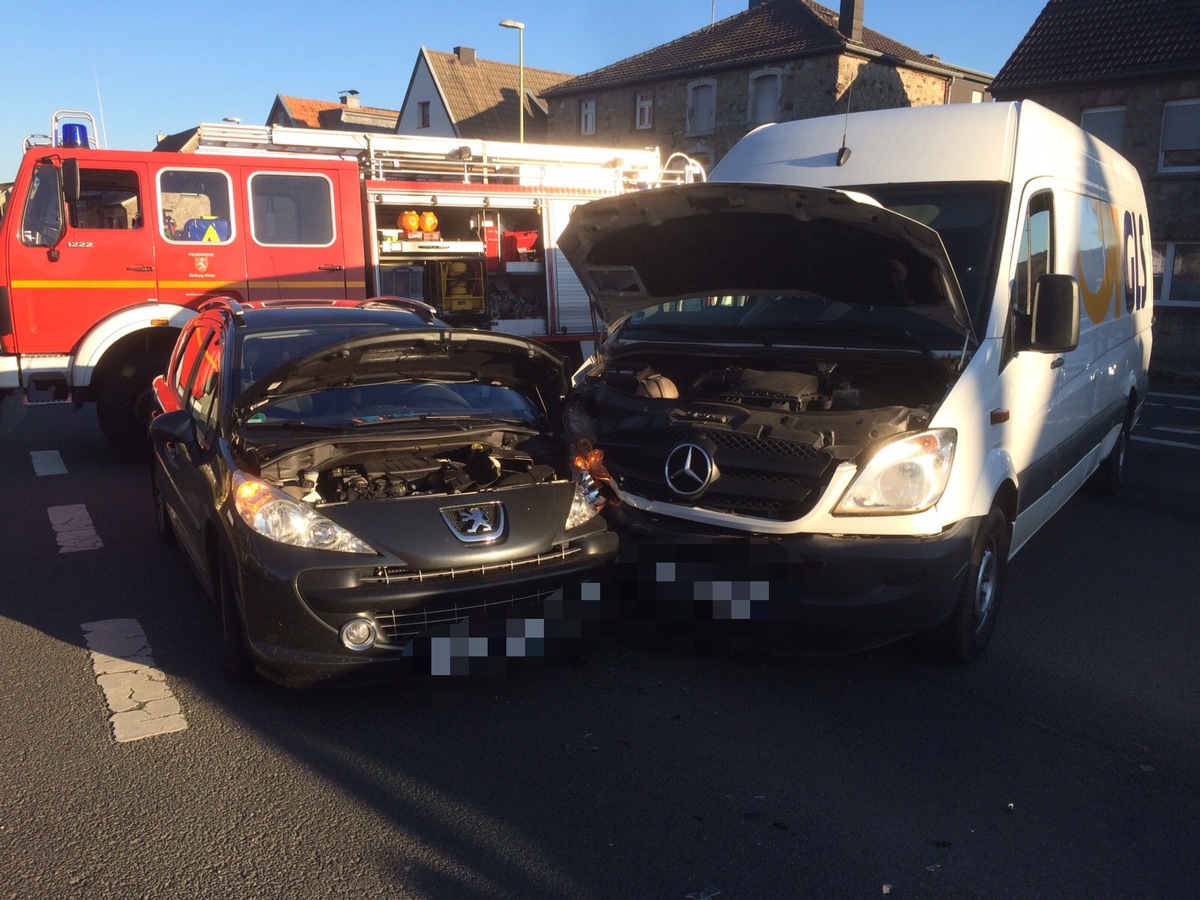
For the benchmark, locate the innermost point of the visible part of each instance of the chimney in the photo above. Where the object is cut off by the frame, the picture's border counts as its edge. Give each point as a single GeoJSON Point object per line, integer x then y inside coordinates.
{"type": "Point", "coordinates": [350, 99]}
{"type": "Point", "coordinates": [850, 20]}
{"type": "Point", "coordinates": [466, 55]}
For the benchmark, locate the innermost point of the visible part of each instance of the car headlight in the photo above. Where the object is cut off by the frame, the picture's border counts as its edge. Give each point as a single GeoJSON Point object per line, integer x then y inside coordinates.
{"type": "Point", "coordinates": [905, 475]}
{"type": "Point", "coordinates": [278, 517]}
{"type": "Point", "coordinates": [588, 499]}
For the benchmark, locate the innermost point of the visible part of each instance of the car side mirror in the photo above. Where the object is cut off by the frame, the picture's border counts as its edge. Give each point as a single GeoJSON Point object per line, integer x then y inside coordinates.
{"type": "Point", "coordinates": [176, 427]}
{"type": "Point", "coordinates": [1054, 318]}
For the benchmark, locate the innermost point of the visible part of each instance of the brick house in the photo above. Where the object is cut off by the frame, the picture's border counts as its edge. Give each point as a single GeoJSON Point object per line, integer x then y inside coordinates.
{"type": "Point", "coordinates": [1129, 72]}
{"type": "Point", "coordinates": [778, 60]}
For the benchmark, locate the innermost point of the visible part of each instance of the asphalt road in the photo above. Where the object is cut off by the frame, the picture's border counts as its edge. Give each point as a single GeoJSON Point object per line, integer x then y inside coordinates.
{"type": "Point", "coordinates": [1064, 763]}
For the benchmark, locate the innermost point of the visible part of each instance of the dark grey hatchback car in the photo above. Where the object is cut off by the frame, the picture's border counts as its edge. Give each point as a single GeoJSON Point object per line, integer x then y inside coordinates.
{"type": "Point", "coordinates": [346, 477]}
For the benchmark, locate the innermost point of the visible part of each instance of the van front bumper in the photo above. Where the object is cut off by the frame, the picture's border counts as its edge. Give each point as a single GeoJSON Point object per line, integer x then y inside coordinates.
{"type": "Point", "coordinates": [883, 586]}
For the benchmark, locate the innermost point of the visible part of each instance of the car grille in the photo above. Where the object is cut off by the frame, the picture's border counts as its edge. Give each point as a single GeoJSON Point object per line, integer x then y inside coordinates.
{"type": "Point", "coordinates": [401, 625]}
{"type": "Point", "coordinates": [769, 478]}
{"type": "Point", "coordinates": [399, 575]}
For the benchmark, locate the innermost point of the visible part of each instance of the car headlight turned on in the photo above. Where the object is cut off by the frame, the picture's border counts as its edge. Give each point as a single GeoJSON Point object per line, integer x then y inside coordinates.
{"type": "Point", "coordinates": [905, 475]}
{"type": "Point", "coordinates": [278, 517]}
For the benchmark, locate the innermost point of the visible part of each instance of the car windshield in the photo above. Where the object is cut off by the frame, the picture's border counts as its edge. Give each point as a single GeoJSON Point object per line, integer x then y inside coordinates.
{"type": "Point", "coordinates": [796, 318]}
{"type": "Point", "coordinates": [967, 217]}
{"type": "Point", "coordinates": [358, 406]}
{"type": "Point", "coordinates": [265, 351]}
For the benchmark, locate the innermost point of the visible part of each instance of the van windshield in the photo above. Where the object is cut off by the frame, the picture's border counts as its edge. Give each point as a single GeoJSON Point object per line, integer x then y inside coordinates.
{"type": "Point", "coordinates": [967, 217]}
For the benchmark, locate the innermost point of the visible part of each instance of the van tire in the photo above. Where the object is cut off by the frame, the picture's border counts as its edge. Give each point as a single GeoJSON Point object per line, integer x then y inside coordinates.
{"type": "Point", "coordinates": [968, 630]}
{"type": "Point", "coordinates": [236, 662]}
{"type": "Point", "coordinates": [123, 407]}
{"type": "Point", "coordinates": [1108, 479]}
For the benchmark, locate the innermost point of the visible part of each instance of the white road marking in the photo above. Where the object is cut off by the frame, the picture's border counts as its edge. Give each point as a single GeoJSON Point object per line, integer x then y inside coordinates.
{"type": "Point", "coordinates": [136, 691]}
{"type": "Point", "coordinates": [1185, 445]}
{"type": "Point", "coordinates": [73, 528]}
{"type": "Point", "coordinates": [1177, 430]}
{"type": "Point", "coordinates": [47, 462]}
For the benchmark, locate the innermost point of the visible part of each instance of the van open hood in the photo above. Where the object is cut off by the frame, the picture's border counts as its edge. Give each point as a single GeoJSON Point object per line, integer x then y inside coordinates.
{"type": "Point", "coordinates": [523, 365]}
{"type": "Point", "coordinates": [638, 249]}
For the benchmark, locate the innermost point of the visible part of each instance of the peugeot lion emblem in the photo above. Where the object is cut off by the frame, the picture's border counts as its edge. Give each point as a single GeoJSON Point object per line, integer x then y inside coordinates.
{"type": "Point", "coordinates": [689, 470]}
{"type": "Point", "coordinates": [479, 523]}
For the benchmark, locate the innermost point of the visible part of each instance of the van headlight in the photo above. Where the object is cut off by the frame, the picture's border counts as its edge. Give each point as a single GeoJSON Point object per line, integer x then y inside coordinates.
{"type": "Point", "coordinates": [278, 517]}
{"type": "Point", "coordinates": [904, 475]}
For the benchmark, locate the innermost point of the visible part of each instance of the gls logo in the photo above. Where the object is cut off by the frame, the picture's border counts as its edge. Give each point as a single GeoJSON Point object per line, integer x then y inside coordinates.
{"type": "Point", "coordinates": [1137, 276]}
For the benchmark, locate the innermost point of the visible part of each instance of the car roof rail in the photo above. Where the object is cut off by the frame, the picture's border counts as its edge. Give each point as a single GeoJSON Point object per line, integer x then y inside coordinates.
{"type": "Point", "coordinates": [228, 303]}
{"type": "Point", "coordinates": [420, 307]}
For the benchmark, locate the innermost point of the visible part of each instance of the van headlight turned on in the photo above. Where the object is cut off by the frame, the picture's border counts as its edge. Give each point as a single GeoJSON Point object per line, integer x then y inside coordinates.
{"type": "Point", "coordinates": [904, 475]}
{"type": "Point", "coordinates": [278, 517]}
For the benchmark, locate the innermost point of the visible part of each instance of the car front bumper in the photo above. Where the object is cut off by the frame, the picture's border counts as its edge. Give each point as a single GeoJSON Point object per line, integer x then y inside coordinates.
{"type": "Point", "coordinates": [885, 586]}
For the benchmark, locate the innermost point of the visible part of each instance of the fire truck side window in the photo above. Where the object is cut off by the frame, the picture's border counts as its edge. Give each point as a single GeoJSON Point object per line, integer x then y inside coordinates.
{"type": "Point", "coordinates": [291, 209]}
{"type": "Point", "coordinates": [195, 205]}
{"type": "Point", "coordinates": [42, 224]}
{"type": "Point", "coordinates": [108, 198]}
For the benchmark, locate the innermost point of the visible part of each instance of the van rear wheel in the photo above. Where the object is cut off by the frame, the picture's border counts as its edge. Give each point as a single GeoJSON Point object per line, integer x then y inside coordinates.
{"type": "Point", "coordinates": [1110, 476]}
{"type": "Point", "coordinates": [968, 630]}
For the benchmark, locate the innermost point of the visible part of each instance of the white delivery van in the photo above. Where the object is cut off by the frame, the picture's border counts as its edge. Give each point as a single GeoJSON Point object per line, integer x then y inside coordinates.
{"type": "Point", "coordinates": [848, 377]}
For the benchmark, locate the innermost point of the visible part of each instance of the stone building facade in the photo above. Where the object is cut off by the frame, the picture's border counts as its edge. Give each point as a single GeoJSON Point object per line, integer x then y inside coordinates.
{"type": "Point", "coordinates": [778, 60]}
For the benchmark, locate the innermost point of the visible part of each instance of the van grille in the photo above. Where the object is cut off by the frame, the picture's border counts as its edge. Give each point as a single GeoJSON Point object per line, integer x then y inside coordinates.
{"type": "Point", "coordinates": [768, 478]}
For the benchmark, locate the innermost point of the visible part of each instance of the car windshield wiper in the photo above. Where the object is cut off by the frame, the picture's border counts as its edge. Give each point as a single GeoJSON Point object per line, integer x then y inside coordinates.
{"type": "Point", "coordinates": [290, 424]}
{"type": "Point", "coordinates": [461, 419]}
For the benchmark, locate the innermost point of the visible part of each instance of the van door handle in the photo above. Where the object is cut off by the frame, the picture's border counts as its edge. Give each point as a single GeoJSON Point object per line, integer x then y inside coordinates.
{"type": "Point", "coordinates": [139, 268]}
{"type": "Point", "coordinates": [330, 268]}
{"type": "Point", "coordinates": [1057, 364]}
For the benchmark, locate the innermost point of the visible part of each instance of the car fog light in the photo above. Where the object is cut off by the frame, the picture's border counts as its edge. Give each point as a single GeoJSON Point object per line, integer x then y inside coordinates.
{"type": "Point", "coordinates": [358, 634]}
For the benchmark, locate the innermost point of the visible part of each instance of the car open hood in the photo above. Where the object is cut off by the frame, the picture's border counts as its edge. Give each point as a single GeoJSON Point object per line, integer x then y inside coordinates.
{"type": "Point", "coordinates": [638, 249]}
{"type": "Point", "coordinates": [448, 355]}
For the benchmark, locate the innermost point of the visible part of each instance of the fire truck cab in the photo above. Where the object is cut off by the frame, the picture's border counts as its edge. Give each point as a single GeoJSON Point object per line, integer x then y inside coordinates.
{"type": "Point", "coordinates": [104, 254]}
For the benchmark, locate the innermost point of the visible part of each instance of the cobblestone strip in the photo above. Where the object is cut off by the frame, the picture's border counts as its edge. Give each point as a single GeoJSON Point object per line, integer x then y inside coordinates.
{"type": "Point", "coordinates": [136, 691]}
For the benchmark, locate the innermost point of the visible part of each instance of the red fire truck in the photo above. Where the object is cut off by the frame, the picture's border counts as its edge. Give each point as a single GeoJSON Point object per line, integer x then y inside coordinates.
{"type": "Point", "coordinates": [104, 254]}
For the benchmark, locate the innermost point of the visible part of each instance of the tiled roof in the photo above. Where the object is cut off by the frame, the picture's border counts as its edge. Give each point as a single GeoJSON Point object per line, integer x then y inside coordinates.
{"type": "Point", "coordinates": [1089, 40]}
{"type": "Point", "coordinates": [481, 96]}
{"type": "Point", "coordinates": [769, 31]}
{"type": "Point", "coordinates": [305, 113]}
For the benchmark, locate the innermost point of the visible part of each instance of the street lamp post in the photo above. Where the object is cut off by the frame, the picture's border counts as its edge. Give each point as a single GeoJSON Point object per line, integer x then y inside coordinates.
{"type": "Point", "coordinates": [520, 26]}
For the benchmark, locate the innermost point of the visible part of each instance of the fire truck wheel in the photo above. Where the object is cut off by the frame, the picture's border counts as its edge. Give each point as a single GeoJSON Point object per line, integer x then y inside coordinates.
{"type": "Point", "coordinates": [123, 407]}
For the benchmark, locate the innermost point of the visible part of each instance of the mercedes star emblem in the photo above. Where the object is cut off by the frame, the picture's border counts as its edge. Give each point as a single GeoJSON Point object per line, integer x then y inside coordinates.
{"type": "Point", "coordinates": [689, 470]}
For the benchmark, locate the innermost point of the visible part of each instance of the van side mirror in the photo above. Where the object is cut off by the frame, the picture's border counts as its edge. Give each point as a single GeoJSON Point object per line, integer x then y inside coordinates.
{"type": "Point", "coordinates": [1054, 318]}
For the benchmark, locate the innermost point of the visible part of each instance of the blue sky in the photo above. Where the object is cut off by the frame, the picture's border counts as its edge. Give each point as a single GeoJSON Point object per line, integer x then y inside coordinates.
{"type": "Point", "coordinates": [142, 67]}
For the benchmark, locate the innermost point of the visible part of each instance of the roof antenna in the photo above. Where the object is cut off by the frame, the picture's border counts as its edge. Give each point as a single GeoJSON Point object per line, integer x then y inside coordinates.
{"type": "Point", "coordinates": [843, 154]}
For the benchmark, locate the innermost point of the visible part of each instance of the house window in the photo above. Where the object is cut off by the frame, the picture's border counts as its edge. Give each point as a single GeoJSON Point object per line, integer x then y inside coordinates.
{"type": "Point", "coordinates": [1179, 148]}
{"type": "Point", "coordinates": [702, 107]}
{"type": "Point", "coordinates": [643, 110]}
{"type": "Point", "coordinates": [1106, 123]}
{"type": "Point", "coordinates": [1177, 274]}
{"type": "Point", "coordinates": [587, 117]}
{"type": "Point", "coordinates": [423, 108]}
{"type": "Point", "coordinates": [764, 97]}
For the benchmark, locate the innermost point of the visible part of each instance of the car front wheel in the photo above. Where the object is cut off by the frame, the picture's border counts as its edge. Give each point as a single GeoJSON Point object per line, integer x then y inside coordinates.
{"type": "Point", "coordinates": [968, 630]}
{"type": "Point", "coordinates": [236, 662]}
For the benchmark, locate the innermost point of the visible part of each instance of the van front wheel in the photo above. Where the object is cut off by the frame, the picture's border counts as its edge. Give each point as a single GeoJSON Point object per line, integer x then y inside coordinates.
{"type": "Point", "coordinates": [966, 633]}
